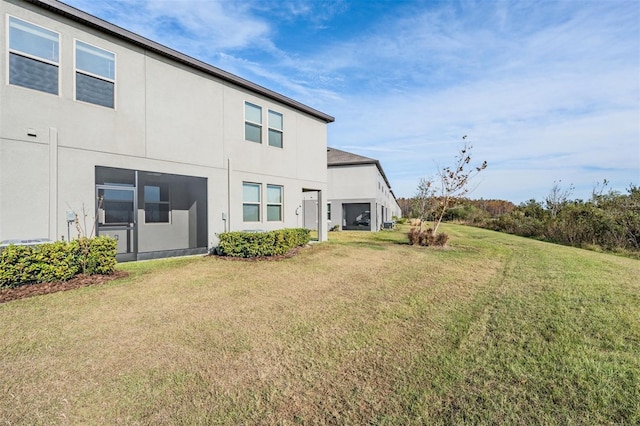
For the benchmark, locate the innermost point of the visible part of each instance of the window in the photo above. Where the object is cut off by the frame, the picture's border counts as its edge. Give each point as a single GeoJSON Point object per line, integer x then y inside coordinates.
{"type": "Point", "coordinates": [251, 202]}
{"type": "Point", "coordinates": [156, 203]}
{"type": "Point", "coordinates": [252, 122]}
{"type": "Point", "coordinates": [275, 129]}
{"type": "Point", "coordinates": [328, 211]}
{"type": "Point", "coordinates": [274, 203]}
{"type": "Point", "coordinates": [33, 56]}
{"type": "Point", "coordinates": [95, 75]}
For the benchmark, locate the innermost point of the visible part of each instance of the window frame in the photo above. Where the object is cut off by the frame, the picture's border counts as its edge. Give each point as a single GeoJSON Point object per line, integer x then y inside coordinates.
{"type": "Point", "coordinates": [280, 204]}
{"type": "Point", "coordinates": [248, 122]}
{"type": "Point", "coordinates": [158, 203]}
{"type": "Point", "coordinates": [78, 70]}
{"type": "Point", "coordinates": [275, 130]}
{"type": "Point", "coordinates": [251, 202]}
{"type": "Point", "coordinates": [30, 56]}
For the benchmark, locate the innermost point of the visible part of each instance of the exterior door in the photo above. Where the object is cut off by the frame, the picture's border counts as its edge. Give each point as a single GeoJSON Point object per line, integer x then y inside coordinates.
{"type": "Point", "coordinates": [116, 208]}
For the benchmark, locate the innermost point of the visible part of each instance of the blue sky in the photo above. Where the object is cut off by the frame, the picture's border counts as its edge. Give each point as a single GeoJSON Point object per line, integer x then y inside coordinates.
{"type": "Point", "coordinates": [545, 90]}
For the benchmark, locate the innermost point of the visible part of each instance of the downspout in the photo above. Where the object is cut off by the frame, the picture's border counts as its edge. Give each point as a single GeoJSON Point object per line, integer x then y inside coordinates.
{"type": "Point", "coordinates": [53, 184]}
{"type": "Point", "coordinates": [228, 223]}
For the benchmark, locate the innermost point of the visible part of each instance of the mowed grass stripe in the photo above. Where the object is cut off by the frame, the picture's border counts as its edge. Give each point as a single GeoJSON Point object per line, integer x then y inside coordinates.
{"type": "Point", "coordinates": [363, 329]}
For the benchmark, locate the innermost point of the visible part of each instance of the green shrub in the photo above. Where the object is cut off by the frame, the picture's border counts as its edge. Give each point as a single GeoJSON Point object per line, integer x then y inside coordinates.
{"type": "Point", "coordinates": [256, 244]}
{"type": "Point", "coordinates": [400, 220]}
{"type": "Point", "coordinates": [95, 255]}
{"type": "Point", "coordinates": [14, 265]}
{"type": "Point", "coordinates": [57, 261]}
{"type": "Point", "coordinates": [40, 263]}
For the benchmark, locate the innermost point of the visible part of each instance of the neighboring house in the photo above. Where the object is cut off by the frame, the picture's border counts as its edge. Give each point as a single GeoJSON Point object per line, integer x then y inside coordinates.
{"type": "Point", "coordinates": [164, 150]}
{"type": "Point", "coordinates": [359, 193]}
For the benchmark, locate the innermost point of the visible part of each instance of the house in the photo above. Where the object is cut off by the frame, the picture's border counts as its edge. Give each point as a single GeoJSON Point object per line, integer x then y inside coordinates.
{"type": "Point", "coordinates": [141, 142]}
{"type": "Point", "coordinates": [359, 193]}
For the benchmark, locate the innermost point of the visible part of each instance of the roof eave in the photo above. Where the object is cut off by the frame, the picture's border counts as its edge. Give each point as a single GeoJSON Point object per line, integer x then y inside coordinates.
{"type": "Point", "coordinates": [364, 163]}
{"type": "Point", "coordinates": [111, 29]}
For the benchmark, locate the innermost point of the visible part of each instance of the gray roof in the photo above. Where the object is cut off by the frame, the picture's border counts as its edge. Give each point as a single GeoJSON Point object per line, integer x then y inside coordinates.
{"type": "Point", "coordinates": [108, 28]}
{"type": "Point", "coordinates": [339, 158]}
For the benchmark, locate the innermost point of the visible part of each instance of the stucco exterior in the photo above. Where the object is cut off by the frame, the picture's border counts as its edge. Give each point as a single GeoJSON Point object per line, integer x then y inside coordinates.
{"type": "Point", "coordinates": [172, 115]}
{"type": "Point", "coordinates": [358, 183]}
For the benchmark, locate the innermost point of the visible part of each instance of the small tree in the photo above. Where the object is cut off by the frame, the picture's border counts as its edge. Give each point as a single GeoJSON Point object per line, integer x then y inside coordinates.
{"type": "Point", "coordinates": [454, 184]}
{"type": "Point", "coordinates": [424, 202]}
{"type": "Point", "coordinates": [86, 236]}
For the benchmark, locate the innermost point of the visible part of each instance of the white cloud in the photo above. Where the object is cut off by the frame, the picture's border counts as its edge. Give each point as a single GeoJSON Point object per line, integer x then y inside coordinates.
{"type": "Point", "coordinates": [198, 27]}
{"type": "Point", "coordinates": [546, 91]}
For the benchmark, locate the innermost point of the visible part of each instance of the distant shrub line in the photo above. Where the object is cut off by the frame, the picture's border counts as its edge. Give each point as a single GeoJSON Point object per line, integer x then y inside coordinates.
{"type": "Point", "coordinates": [257, 244]}
{"type": "Point", "coordinates": [608, 220]}
{"type": "Point", "coordinates": [57, 261]}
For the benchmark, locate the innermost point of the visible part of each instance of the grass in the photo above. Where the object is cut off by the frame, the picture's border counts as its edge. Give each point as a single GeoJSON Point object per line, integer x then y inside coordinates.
{"type": "Point", "coordinates": [494, 329]}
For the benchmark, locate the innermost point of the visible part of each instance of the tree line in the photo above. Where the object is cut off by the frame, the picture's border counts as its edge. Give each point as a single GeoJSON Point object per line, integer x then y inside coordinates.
{"type": "Point", "coordinates": [609, 220]}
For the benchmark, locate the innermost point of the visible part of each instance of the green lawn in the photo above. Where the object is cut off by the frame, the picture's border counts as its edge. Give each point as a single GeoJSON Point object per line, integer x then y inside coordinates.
{"type": "Point", "coordinates": [365, 329]}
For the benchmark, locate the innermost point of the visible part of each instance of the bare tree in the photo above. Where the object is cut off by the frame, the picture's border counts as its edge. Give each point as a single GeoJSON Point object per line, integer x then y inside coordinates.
{"type": "Point", "coordinates": [598, 190]}
{"type": "Point", "coordinates": [557, 198]}
{"type": "Point", "coordinates": [454, 184]}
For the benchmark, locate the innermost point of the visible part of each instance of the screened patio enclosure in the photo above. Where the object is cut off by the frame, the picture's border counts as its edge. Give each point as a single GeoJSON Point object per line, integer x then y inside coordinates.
{"type": "Point", "coordinates": [151, 214]}
{"type": "Point", "coordinates": [356, 216]}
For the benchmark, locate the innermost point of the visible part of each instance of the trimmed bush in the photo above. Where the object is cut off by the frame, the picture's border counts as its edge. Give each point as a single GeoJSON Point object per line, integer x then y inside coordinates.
{"type": "Point", "coordinates": [40, 263]}
{"type": "Point", "coordinates": [96, 255]}
{"type": "Point", "coordinates": [256, 244]}
{"type": "Point", "coordinates": [57, 261]}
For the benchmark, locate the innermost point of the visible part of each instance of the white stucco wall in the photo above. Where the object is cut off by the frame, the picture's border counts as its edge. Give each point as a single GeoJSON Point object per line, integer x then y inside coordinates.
{"type": "Point", "coordinates": [168, 118]}
{"type": "Point", "coordinates": [361, 183]}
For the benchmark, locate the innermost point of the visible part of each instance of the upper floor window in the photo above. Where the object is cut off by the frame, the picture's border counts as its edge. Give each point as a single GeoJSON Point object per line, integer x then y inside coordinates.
{"type": "Point", "coordinates": [95, 75]}
{"type": "Point", "coordinates": [275, 129]}
{"type": "Point", "coordinates": [274, 203]}
{"type": "Point", "coordinates": [33, 56]}
{"type": "Point", "coordinates": [252, 122]}
{"type": "Point", "coordinates": [251, 202]}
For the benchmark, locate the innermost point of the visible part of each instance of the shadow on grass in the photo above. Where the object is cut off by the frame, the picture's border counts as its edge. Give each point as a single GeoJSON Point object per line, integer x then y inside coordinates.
{"type": "Point", "coordinates": [376, 240]}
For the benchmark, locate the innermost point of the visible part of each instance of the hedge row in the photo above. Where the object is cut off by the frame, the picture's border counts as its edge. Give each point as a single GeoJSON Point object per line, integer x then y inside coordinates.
{"type": "Point", "coordinates": [255, 244]}
{"type": "Point", "coordinates": [57, 261]}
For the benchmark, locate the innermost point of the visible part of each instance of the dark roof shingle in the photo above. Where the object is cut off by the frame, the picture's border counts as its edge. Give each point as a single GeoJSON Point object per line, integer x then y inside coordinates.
{"type": "Point", "coordinates": [337, 157]}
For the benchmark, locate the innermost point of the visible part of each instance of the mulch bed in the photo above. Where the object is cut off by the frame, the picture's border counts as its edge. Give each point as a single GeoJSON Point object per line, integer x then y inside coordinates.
{"type": "Point", "coordinates": [81, 280]}
{"type": "Point", "coordinates": [28, 290]}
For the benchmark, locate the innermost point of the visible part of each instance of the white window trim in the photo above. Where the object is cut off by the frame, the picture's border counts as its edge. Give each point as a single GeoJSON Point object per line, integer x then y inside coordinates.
{"type": "Point", "coordinates": [280, 204]}
{"type": "Point", "coordinates": [258, 203]}
{"type": "Point", "coordinates": [27, 55]}
{"type": "Point", "coordinates": [281, 131]}
{"type": "Point", "coordinates": [76, 70]}
{"type": "Point", "coordinates": [246, 120]}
